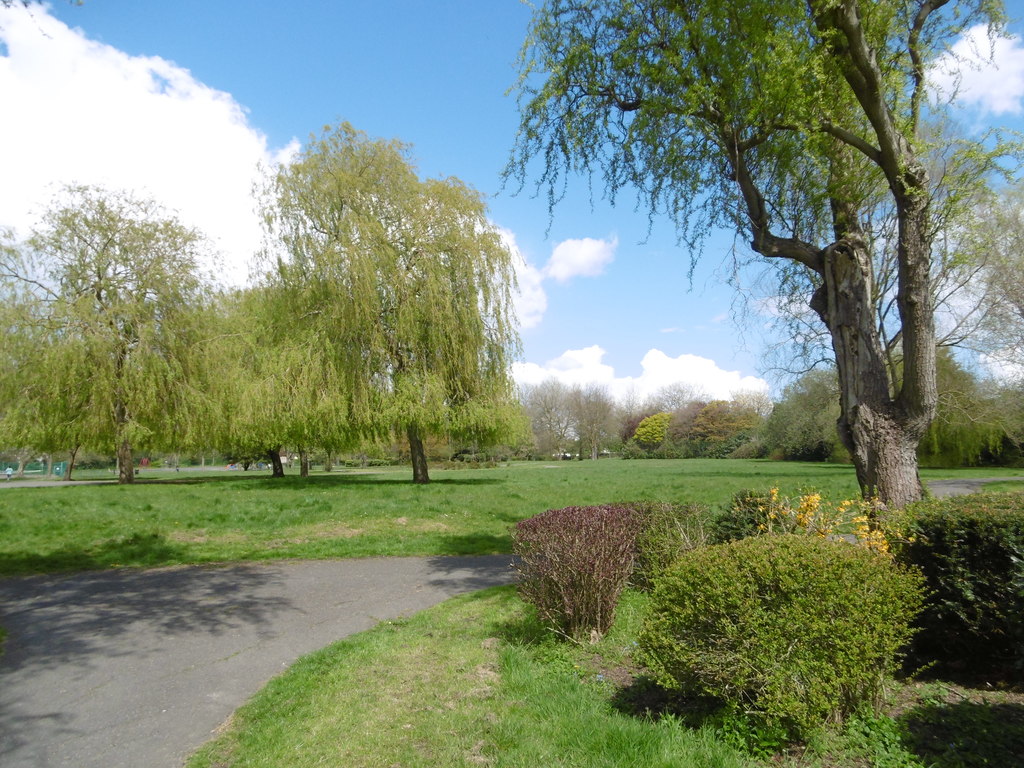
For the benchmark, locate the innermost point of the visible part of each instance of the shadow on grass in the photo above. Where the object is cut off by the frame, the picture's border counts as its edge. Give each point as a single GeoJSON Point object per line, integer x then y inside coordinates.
{"type": "Point", "coordinates": [138, 549]}
{"type": "Point", "coordinates": [476, 544]}
{"type": "Point", "coordinates": [265, 482]}
{"type": "Point", "coordinates": [966, 734]}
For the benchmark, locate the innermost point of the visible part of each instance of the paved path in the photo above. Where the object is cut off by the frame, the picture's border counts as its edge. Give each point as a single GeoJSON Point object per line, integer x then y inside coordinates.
{"type": "Point", "coordinates": [964, 485]}
{"type": "Point", "coordinates": [135, 669]}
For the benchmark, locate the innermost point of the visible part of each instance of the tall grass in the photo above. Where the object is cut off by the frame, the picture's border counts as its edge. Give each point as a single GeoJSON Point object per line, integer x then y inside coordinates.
{"type": "Point", "coordinates": [218, 516]}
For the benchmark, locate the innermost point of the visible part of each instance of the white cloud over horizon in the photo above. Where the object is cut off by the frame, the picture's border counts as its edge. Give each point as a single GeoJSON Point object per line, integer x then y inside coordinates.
{"type": "Point", "coordinates": [91, 114]}
{"type": "Point", "coordinates": [586, 366]}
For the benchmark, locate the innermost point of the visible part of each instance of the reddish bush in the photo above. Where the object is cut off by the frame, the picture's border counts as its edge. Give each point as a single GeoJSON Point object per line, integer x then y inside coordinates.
{"type": "Point", "coordinates": [573, 564]}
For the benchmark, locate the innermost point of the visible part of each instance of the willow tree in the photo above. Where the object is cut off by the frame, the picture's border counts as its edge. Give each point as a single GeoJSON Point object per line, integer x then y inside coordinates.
{"type": "Point", "coordinates": [792, 122]}
{"type": "Point", "coordinates": [113, 295]}
{"type": "Point", "coordinates": [274, 381]}
{"type": "Point", "coordinates": [404, 281]}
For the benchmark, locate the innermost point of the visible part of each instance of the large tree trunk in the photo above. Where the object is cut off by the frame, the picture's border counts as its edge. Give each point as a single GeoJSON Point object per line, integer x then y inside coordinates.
{"type": "Point", "coordinates": [125, 463]}
{"type": "Point", "coordinates": [880, 426]}
{"type": "Point", "coordinates": [303, 464]}
{"type": "Point", "coordinates": [418, 455]}
{"type": "Point", "coordinates": [277, 468]}
{"type": "Point", "coordinates": [880, 429]}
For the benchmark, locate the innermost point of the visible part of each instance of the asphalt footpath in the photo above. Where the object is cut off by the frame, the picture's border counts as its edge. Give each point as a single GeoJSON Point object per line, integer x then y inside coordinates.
{"type": "Point", "coordinates": [137, 668]}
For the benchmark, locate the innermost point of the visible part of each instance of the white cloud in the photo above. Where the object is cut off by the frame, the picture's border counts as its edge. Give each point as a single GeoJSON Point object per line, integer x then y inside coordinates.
{"type": "Point", "coordinates": [79, 111]}
{"type": "Point", "coordinates": [585, 366]}
{"type": "Point", "coordinates": [1003, 367]}
{"type": "Point", "coordinates": [529, 300]}
{"type": "Point", "coordinates": [987, 75]}
{"type": "Point", "coordinates": [585, 257]}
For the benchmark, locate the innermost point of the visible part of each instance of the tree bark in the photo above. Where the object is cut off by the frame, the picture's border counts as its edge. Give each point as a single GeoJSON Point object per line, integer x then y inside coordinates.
{"type": "Point", "coordinates": [879, 426]}
{"type": "Point", "coordinates": [72, 455]}
{"type": "Point", "coordinates": [418, 455]}
{"type": "Point", "coordinates": [303, 464]}
{"type": "Point", "coordinates": [125, 463]}
{"type": "Point", "coordinates": [878, 429]}
{"type": "Point", "coordinates": [277, 468]}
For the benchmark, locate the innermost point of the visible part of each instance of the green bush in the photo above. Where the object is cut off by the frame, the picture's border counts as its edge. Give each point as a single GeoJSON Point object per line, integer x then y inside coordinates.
{"type": "Point", "coordinates": [971, 552]}
{"type": "Point", "coordinates": [666, 532]}
{"type": "Point", "coordinates": [631, 450]}
{"type": "Point", "coordinates": [745, 517]}
{"type": "Point", "coordinates": [573, 564]}
{"type": "Point", "coordinates": [796, 630]}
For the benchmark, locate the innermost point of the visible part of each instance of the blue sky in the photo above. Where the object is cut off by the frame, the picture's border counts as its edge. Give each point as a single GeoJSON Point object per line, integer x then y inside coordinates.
{"type": "Point", "coordinates": [182, 99]}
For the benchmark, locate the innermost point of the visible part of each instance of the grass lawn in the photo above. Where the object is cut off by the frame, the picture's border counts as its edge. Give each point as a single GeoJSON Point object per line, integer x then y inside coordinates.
{"type": "Point", "coordinates": [476, 681]}
{"type": "Point", "coordinates": [471, 682]}
{"type": "Point", "coordinates": [225, 516]}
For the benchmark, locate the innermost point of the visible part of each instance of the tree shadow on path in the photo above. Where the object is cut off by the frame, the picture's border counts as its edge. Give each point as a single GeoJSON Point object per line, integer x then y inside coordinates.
{"type": "Point", "coordinates": [56, 620]}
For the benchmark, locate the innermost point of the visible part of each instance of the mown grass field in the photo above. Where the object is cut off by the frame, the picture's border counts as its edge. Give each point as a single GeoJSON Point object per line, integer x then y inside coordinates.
{"type": "Point", "coordinates": [226, 516]}
{"type": "Point", "coordinates": [471, 682]}
{"type": "Point", "coordinates": [477, 681]}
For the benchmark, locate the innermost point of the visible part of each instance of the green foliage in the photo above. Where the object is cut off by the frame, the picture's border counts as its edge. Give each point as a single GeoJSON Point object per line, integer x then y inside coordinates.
{"type": "Point", "coordinates": [797, 630]}
{"type": "Point", "coordinates": [968, 423]}
{"type": "Point", "coordinates": [574, 563]}
{"type": "Point", "coordinates": [651, 432]}
{"type": "Point", "coordinates": [107, 315]}
{"type": "Point", "coordinates": [971, 552]}
{"type": "Point", "coordinates": [799, 125]}
{"type": "Point", "coordinates": [667, 531]}
{"type": "Point", "coordinates": [802, 426]}
{"type": "Point", "coordinates": [745, 516]}
{"type": "Point", "coordinates": [404, 284]}
{"type": "Point", "coordinates": [631, 450]}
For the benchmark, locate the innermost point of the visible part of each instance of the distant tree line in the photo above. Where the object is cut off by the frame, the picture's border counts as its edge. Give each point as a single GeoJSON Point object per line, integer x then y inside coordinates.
{"type": "Point", "coordinates": [980, 421]}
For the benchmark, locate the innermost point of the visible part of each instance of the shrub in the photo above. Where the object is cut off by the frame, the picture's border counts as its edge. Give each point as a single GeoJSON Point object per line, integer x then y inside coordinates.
{"type": "Point", "coordinates": [971, 552]}
{"type": "Point", "coordinates": [666, 532]}
{"type": "Point", "coordinates": [744, 517]}
{"type": "Point", "coordinates": [631, 450]}
{"type": "Point", "coordinates": [757, 512]}
{"type": "Point", "coordinates": [574, 563]}
{"type": "Point", "coordinates": [797, 630]}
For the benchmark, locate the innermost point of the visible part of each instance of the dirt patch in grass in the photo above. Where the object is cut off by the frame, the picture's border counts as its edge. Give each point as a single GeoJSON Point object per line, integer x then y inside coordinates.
{"type": "Point", "coordinates": [200, 536]}
{"type": "Point", "coordinates": [333, 530]}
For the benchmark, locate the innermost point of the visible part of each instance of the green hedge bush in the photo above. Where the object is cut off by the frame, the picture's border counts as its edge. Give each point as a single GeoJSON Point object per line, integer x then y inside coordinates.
{"type": "Point", "coordinates": [744, 517]}
{"type": "Point", "coordinates": [573, 564]}
{"type": "Point", "coordinates": [797, 630]}
{"type": "Point", "coordinates": [971, 552]}
{"type": "Point", "coordinates": [666, 531]}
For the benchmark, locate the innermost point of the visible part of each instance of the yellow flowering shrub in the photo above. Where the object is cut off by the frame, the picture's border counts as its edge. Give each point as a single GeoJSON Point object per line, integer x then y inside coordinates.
{"type": "Point", "coordinates": [809, 513]}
